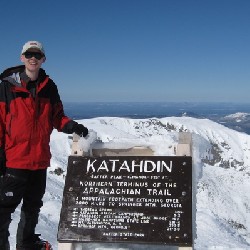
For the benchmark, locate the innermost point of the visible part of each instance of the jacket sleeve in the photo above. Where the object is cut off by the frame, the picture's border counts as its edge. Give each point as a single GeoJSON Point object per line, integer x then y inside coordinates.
{"type": "Point", "coordinates": [3, 109]}
{"type": "Point", "coordinates": [60, 121]}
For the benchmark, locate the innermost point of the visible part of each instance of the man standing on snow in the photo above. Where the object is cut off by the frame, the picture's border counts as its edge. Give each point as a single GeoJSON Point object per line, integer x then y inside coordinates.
{"type": "Point", "coordinates": [30, 107]}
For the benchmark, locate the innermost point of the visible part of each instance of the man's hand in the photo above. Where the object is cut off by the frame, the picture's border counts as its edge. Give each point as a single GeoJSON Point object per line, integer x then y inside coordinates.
{"type": "Point", "coordinates": [80, 130]}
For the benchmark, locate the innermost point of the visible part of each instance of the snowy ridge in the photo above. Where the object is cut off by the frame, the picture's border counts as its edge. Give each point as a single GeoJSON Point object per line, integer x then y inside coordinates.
{"type": "Point", "coordinates": [221, 158]}
{"type": "Point", "coordinates": [238, 115]}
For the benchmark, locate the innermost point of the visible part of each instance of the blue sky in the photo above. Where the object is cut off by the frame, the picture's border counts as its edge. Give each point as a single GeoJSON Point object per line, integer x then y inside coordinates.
{"type": "Point", "coordinates": [136, 50]}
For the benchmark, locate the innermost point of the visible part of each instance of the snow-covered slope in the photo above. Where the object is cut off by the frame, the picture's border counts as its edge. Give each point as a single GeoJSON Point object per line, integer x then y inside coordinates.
{"type": "Point", "coordinates": [221, 159]}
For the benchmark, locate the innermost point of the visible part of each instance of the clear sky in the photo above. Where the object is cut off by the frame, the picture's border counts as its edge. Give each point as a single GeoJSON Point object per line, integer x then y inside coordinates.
{"type": "Point", "coordinates": [135, 50]}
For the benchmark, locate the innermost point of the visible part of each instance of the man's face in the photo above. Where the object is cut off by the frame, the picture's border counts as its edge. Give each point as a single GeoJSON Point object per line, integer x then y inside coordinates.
{"type": "Point", "coordinates": [32, 64]}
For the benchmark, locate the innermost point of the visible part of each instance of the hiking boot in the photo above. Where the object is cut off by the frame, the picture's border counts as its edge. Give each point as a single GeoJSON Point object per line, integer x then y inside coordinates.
{"type": "Point", "coordinates": [37, 244]}
{"type": "Point", "coordinates": [42, 245]}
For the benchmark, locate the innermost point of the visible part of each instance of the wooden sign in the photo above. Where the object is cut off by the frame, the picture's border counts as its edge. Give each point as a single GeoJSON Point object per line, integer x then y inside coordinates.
{"type": "Point", "coordinates": [132, 199]}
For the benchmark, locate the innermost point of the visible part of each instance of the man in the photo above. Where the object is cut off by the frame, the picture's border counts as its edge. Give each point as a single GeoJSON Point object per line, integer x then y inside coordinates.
{"type": "Point", "coordinates": [30, 107]}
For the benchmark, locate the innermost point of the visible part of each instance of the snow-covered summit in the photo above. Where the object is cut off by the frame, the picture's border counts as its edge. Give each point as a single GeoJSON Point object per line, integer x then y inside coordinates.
{"type": "Point", "coordinates": [221, 158]}
{"type": "Point", "coordinates": [238, 117]}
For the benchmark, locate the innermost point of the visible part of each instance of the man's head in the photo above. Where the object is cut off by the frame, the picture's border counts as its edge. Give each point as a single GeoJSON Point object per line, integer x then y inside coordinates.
{"type": "Point", "coordinates": [33, 55]}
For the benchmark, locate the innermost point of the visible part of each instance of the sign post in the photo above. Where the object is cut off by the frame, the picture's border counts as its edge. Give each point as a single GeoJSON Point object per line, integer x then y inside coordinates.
{"type": "Point", "coordinates": [127, 202]}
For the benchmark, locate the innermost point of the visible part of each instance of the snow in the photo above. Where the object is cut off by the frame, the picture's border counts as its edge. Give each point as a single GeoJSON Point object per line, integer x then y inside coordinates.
{"type": "Point", "coordinates": [221, 158]}
{"type": "Point", "coordinates": [237, 115]}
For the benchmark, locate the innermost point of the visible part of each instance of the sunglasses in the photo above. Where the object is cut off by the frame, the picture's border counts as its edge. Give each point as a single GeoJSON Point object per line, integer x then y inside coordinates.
{"type": "Point", "coordinates": [37, 55]}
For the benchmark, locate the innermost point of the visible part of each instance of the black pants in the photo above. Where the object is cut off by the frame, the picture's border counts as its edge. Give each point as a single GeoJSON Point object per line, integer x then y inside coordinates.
{"type": "Point", "coordinates": [17, 185]}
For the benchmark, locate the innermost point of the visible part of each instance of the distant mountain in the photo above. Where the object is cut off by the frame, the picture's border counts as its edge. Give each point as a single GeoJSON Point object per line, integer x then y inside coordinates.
{"type": "Point", "coordinates": [238, 121]}
{"type": "Point", "coordinates": [221, 159]}
{"type": "Point", "coordinates": [232, 115]}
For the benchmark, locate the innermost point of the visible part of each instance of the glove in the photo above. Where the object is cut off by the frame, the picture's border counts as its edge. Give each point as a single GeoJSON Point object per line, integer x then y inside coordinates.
{"type": "Point", "coordinates": [80, 130]}
{"type": "Point", "coordinates": [2, 162]}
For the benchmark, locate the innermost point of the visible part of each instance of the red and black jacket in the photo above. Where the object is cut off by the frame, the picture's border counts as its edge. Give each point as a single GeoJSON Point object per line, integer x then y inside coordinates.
{"type": "Point", "coordinates": [27, 121]}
